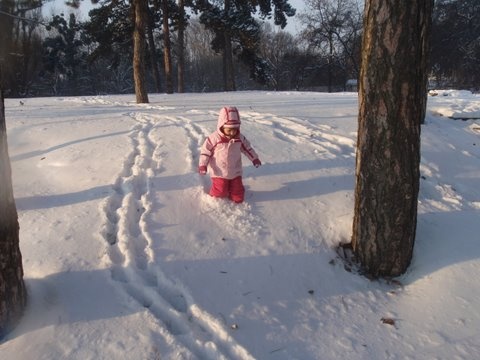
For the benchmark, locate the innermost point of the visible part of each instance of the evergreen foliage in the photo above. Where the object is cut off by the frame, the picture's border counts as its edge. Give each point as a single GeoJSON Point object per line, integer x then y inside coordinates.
{"type": "Point", "coordinates": [110, 30]}
{"type": "Point", "coordinates": [244, 30]}
{"type": "Point", "coordinates": [61, 55]}
{"type": "Point", "coordinates": [65, 56]}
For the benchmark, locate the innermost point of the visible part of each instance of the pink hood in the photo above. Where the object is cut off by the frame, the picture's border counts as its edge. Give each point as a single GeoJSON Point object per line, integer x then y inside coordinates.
{"type": "Point", "coordinates": [228, 117]}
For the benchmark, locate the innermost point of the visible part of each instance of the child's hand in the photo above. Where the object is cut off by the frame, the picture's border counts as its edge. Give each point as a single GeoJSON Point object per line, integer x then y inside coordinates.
{"type": "Point", "coordinates": [257, 163]}
{"type": "Point", "coordinates": [202, 170]}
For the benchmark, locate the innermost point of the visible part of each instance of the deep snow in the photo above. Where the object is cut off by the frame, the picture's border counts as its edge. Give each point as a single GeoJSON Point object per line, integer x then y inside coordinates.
{"type": "Point", "coordinates": [126, 257]}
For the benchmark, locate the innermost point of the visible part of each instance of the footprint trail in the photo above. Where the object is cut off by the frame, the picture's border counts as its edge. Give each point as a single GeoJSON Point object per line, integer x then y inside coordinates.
{"type": "Point", "coordinates": [129, 244]}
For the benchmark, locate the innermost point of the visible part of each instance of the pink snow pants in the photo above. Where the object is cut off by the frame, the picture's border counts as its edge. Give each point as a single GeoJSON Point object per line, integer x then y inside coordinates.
{"type": "Point", "coordinates": [233, 189]}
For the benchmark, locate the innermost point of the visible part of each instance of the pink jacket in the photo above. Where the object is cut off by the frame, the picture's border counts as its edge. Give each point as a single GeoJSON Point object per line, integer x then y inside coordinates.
{"type": "Point", "coordinates": [223, 155]}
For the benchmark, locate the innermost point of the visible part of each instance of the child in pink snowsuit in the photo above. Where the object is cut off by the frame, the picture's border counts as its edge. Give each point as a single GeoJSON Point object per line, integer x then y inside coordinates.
{"type": "Point", "coordinates": [222, 153]}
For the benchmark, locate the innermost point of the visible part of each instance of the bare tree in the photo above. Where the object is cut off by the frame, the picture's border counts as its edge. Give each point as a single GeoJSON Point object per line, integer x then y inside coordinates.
{"type": "Point", "coordinates": [275, 46]}
{"type": "Point", "coordinates": [12, 289]}
{"type": "Point", "coordinates": [392, 100]}
{"type": "Point", "coordinates": [202, 62]}
{"type": "Point", "coordinates": [456, 44]}
{"type": "Point", "coordinates": [333, 30]}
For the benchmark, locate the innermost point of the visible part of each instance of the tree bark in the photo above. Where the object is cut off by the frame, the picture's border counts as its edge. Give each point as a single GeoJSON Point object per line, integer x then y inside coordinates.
{"type": "Point", "coordinates": [167, 49]}
{"type": "Point", "coordinates": [181, 48]}
{"type": "Point", "coordinates": [392, 100]}
{"type": "Point", "coordinates": [152, 51]}
{"type": "Point", "coordinates": [6, 39]}
{"type": "Point", "coordinates": [13, 294]}
{"type": "Point", "coordinates": [330, 62]}
{"type": "Point", "coordinates": [140, 17]}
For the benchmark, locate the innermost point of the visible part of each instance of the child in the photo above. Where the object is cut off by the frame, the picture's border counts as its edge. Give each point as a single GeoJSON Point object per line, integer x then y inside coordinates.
{"type": "Point", "coordinates": [222, 151]}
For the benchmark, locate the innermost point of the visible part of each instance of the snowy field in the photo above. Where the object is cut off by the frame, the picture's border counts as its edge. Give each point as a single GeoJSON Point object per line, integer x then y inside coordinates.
{"type": "Point", "coordinates": [127, 257]}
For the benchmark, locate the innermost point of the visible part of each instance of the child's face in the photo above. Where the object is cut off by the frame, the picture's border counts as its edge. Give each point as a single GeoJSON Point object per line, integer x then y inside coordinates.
{"type": "Point", "coordinates": [230, 132]}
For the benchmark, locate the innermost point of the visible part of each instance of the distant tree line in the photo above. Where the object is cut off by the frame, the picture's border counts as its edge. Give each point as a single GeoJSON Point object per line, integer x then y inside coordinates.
{"type": "Point", "coordinates": [455, 44]}
{"type": "Point", "coordinates": [211, 45]}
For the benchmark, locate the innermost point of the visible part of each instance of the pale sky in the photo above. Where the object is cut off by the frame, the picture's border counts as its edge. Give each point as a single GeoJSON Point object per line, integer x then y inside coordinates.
{"type": "Point", "coordinates": [293, 25]}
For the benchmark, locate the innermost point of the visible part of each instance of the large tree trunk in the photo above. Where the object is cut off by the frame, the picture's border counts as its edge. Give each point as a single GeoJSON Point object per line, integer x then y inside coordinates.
{"type": "Point", "coordinates": [6, 40]}
{"type": "Point", "coordinates": [167, 49]}
{"type": "Point", "coordinates": [181, 48]}
{"type": "Point", "coordinates": [392, 100]}
{"type": "Point", "coordinates": [140, 17]}
{"type": "Point", "coordinates": [6, 23]}
{"type": "Point", "coordinates": [12, 289]}
{"type": "Point", "coordinates": [228, 70]}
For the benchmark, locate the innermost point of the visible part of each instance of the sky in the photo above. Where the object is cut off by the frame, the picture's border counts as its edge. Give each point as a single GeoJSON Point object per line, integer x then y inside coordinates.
{"type": "Point", "coordinates": [293, 25]}
{"type": "Point", "coordinates": [126, 256]}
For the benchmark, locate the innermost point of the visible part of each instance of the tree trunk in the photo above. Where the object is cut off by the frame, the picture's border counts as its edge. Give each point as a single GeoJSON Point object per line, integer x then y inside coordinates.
{"type": "Point", "coordinates": [181, 48]}
{"type": "Point", "coordinates": [6, 23]}
{"type": "Point", "coordinates": [330, 61]}
{"type": "Point", "coordinates": [6, 40]}
{"type": "Point", "coordinates": [228, 70]}
{"type": "Point", "coordinates": [12, 289]}
{"type": "Point", "coordinates": [392, 100]}
{"type": "Point", "coordinates": [167, 49]}
{"type": "Point", "coordinates": [140, 16]}
{"type": "Point", "coordinates": [153, 53]}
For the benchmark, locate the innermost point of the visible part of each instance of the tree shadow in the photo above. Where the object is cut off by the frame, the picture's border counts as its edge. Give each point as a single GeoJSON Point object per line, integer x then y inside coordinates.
{"type": "Point", "coordinates": [303, 189]}
{"type": "Point", "coordinates": [184, 181]}
{"type": "Point", "coordinates": [443, 239]}
{"type": "Point", "coordinates": [70, 297]}
{"type": "Point", "coordinates": [34, 153]}
{"type": "Point", "coordinates": [36, 202]}
{"type": "Point", "coordinates": [269, 296]}
{"type": "Point", "coordinates": [289, 190]}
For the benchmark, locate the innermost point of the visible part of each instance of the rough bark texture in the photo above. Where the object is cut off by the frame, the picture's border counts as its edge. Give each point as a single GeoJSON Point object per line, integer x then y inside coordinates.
{"type": "Point", "coordinates": [140, 10]}
{"type": "Point", "coordinates": [392, 100]}
{"type": "Point", "coordinates": [12, 289]}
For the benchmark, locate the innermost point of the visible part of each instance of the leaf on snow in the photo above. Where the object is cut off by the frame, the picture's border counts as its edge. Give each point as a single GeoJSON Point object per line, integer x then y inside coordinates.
{"type": "Point", "coordinates": [388, 321]}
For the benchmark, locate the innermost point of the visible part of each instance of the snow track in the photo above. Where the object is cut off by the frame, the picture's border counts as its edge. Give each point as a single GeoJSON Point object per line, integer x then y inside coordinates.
{"type": "Point", "coordinates": [302, 132]}
{"type": "Point", "coordinates": [145, 213]}
{"type": "Point", "coordinates": [126, 256]}
{"type": "Point", "coordinates": [130, 245]}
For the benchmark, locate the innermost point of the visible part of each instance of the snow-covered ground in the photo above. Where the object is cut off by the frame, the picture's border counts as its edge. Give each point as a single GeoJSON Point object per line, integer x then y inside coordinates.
{"type": "Point", "coordinates": [127, 257]}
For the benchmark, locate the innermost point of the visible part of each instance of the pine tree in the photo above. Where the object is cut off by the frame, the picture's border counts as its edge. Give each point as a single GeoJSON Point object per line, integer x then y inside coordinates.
{"type": "Point", "coordinates": [392, 99]}
{"type": "Point", "coordinates": [61, 54]}
{"type": "Point", "coordinates": [238, 33]}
